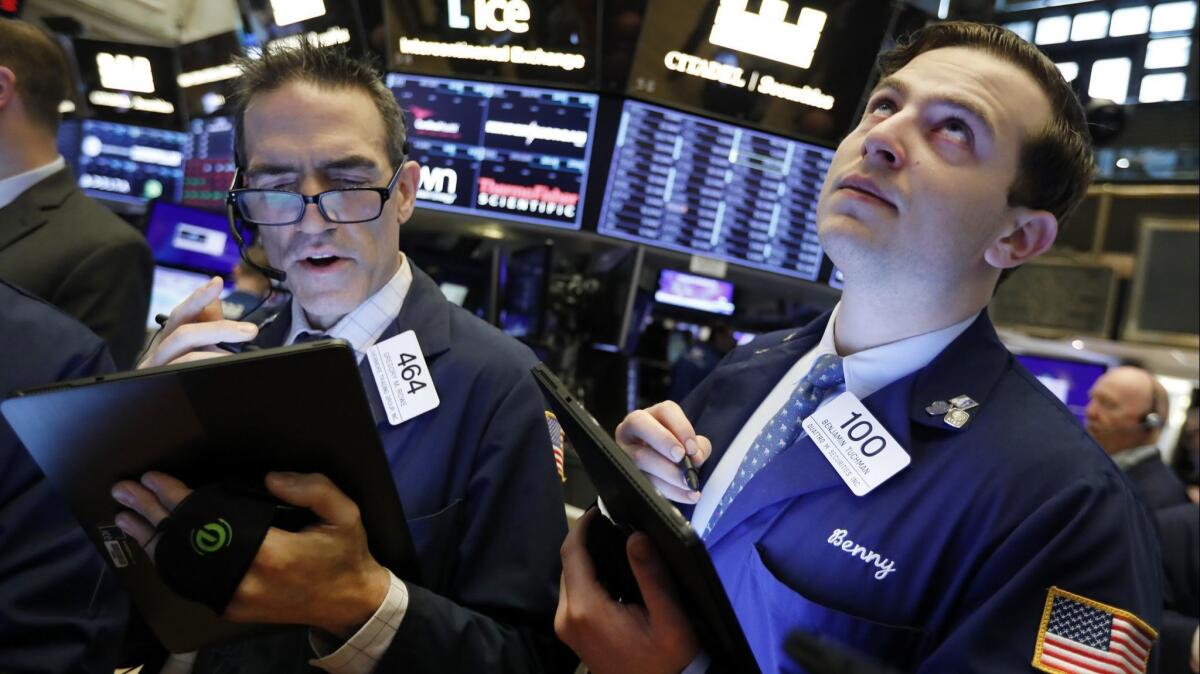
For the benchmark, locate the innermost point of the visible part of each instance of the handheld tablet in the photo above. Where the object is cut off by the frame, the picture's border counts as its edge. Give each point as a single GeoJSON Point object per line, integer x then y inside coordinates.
{"type": "Point", "coordinates": [298, 408]}
{"type": "Point", "coordinates": [634, 505]}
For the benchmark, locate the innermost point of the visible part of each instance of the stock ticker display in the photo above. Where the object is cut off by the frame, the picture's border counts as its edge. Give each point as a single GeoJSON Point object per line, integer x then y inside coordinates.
{"type": "Point", "coordinates": [520, 153]}
{"type": "Point", "coordinates": [699, 186]}
{"type": "Point", "coordinates": [208, 169]}
{"type": "Point", "coordinates": [130, 163]}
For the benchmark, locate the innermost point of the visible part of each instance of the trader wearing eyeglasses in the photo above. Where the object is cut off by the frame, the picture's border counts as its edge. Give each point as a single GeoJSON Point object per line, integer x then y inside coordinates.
{"type": "Point", "coordinates": [325, 181]}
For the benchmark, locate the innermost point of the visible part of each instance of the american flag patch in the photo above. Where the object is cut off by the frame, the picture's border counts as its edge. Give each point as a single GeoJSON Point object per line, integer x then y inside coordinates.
{"type": "Point", "coordinates": [556, 442]}
{"type": "Point", "coordinates": [1082, 636]}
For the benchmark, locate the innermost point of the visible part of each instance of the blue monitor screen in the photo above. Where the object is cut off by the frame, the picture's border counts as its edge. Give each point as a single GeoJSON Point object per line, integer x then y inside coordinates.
{"type": "Point", "coordinates": [208, 167]}
{"type": "Point", "coordinates": [516, 153]}
{"type": "Point", "coordinates": [131, 163]}
{"type": "Point", "coordinates": [1069, 380]}
{"type": "Point", "coordinates": [694, 292]}
{"type": "Point", "coordinates": [695, 185]}
{"type": "Point", "coordinates": [172, 286]}
{"type": "Point", "coordinates": [191, 238]}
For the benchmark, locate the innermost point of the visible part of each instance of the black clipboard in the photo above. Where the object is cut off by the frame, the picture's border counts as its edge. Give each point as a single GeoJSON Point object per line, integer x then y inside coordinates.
{"type": "Point", "coordinates": [297, 408]}
{"type": "Point", "coordinates": [635, 505]}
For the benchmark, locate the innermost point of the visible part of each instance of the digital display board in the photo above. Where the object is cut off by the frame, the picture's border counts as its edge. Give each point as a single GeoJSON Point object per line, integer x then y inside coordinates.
{"type": "Point", "coordinates": [541, 41]}
{"type": "Point", "coordinates": [505, 151]}
{"type": "Point", "coordinates": [694, 292]}
{"type": "Point", "coordinates": [280, 24]}
{"type": "Point", "coordinates": [797, 67]}
{"type": "Point", "coordinates": [209, 163]}
{"type": "Point", "coordinates": [691, 184]}
{"type": "Point", "coordinates": [170, 287]}
{"type": "Point", "coordinates": [131, 163]}
{"type": "Point", "coordinates": [207, 73]}
{"type": "Point", "coordinates": [191, 238]}
{"type": "Point", "coordinates": [130, 83]}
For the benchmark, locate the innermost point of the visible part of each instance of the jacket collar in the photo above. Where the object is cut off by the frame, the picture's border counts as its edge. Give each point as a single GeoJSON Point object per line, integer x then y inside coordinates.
{"type": "Point", "coordinates": [30, 210]}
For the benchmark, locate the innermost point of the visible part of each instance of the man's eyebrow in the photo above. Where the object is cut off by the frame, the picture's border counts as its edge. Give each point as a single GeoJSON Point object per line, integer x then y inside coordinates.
{"type": "Point", "coordinates": [353, 161]}
{"type": "Point", "coordinates": [967, 106]}
{"type": "Point", "coordinates": [259, 170]}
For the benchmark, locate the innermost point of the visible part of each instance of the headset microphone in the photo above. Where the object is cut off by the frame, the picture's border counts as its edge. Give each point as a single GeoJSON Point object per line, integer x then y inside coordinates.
{"type": "Point", "coordinates": [276, 275]}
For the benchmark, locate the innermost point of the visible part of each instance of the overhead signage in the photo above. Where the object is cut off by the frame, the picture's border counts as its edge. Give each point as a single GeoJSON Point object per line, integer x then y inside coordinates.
{"type": "Point", "coordinates": [768, 33]}
{"type": "Point", "coordinates": [130, 83]}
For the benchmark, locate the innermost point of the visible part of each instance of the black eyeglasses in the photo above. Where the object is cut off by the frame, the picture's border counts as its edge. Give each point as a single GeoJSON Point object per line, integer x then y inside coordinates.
{"type": "Point", "coordinates": [283, 207]}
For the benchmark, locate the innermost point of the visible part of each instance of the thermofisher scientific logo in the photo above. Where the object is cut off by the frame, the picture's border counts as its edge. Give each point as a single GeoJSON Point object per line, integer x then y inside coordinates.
{"type": "Point", "coordinates": [768, 34]}
{"type": "Point", "coordinates": [535, 199]}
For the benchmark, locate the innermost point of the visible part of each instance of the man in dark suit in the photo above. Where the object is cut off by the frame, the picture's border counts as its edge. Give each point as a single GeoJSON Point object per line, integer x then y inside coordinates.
{"type": "Point", "coordinates": [59, 610]}
{"type": "Point", "coordinates": [328, 184]}
{"type": "Point", "coordinates": [1125, 415]}
{"type": "Point", "coordinates": [888, 476]}
{"type": "Point", "coordinates": [54, 241]}
{"type": "Point", "coordinates": [1179, 529]}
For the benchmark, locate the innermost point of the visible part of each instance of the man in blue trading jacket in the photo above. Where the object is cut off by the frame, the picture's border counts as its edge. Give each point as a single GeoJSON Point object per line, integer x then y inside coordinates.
{"type": "Point", "coordinates": [963, 520]}
{"type": "Point", "coordinates": [476, 475]}
{"type": "Point", "coordinates": [59, 610]}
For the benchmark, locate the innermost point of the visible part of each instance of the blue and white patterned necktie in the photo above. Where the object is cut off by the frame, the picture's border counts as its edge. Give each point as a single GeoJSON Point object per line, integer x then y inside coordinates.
{"type": "Point", "coordinates": [825, 378]}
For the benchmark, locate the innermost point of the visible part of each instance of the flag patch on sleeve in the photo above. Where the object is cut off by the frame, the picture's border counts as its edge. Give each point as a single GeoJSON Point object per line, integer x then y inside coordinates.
{"type": "Point", "coordinates": [556, 442]}
{"type": "Point", "coordinates": [1082, 636]}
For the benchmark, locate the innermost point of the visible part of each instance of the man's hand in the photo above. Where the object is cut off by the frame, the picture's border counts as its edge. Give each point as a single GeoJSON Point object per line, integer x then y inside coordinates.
{"type": "Point", "coordinates": [195, 327]}
{"type": "Point", "coordinates": [657, 438]}
{"type": "Point", "coordinates": [323, 576]}
{"type": "Point", "coordinates": [613, 638]}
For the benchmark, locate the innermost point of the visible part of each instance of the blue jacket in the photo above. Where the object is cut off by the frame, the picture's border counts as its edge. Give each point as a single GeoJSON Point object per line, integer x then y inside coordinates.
{"type": "Point", "coordinates": [480, 490]}
{"type": "Point", "coordinates": [59, 610]}
{"type": "Point", "coordinates": [977, 528]}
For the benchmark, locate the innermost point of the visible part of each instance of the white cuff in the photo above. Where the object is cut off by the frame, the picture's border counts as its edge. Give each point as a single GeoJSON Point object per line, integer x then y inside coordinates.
{"type": "Point", "coordinates": [361, 652]}
{"type": "Point", "coordinates": [698, 665]}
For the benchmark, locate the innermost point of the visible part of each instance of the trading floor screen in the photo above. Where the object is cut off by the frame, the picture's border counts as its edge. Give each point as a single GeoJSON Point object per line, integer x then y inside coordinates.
{"type": "Point", "coordinates": [491, 149]}
{"type": "Point", "coordinates": [209, 167]}
{"type": "Point", "coordinates": [131, 163]}
{"type": "Point", "coordinates": [699, 186]}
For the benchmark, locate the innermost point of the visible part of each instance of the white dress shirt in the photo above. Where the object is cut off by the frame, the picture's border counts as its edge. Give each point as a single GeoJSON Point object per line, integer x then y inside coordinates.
{"type": "Point", "coordinates": [866, 372]}
{"type": "Point", "coordinates": [15, 186]}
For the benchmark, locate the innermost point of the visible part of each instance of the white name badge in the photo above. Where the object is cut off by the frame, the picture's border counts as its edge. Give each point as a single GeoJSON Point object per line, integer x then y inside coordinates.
{"type": "Point", "coordinates": [858, 447]}
{"type": "Point", "coordinates": [402, 377]}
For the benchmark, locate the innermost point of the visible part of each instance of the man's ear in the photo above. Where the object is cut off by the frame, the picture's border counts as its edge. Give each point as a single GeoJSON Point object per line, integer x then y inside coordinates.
{"type": "Point", "coordinates": [1032, 234]}
{"type": "Point", "coordinates": [406, 190]}
{"type": "Point", "coordinates": [8, 87]}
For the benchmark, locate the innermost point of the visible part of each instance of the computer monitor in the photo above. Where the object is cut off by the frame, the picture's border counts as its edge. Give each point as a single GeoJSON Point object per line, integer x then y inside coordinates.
{"type": "Point", "coordinates": [694, 292]}
{"type": "Point", "coordinates": [172, 286]}
{"type": "Point", "coordinates": [209, 166]}
{"type": "Point", "coordinates": [525, 279]}
{"type": "Point", "coordinates": [191, 238]}
{"type": "Point", "coordinates": [1069, 380]}
{"type": "Point", "coordinates": [131, 164]}
{"type": "Point", "coordinates": [695, 185]}
{"type": "Point", "coordinates": [499, 151]}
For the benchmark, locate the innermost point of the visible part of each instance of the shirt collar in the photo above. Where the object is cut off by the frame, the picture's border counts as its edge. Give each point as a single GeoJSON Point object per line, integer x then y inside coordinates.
{"type": "Point", "coordinates": [1128, 458]}
{"type": "Point", "coordinates": [13, 187]}
{"type": "Point", "coordinates": [362, 326]}
{"type": "Point", "coordinates": [870, 370]}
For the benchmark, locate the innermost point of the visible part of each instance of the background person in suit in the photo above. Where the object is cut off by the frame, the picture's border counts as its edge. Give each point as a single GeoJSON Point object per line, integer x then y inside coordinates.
{"type": "Point", "coordinates": [59, 609]}
{"type": "Point", "coordinates": [476, 475]}
{"type": "Point", "coordinates": [1179, 529]}
{"type": "Point", "coordinates": [1007, 521]}
{"type": "Point", "coordinates": [54, 241]}
{"type": "Point", "coordinates": [1125, 415]}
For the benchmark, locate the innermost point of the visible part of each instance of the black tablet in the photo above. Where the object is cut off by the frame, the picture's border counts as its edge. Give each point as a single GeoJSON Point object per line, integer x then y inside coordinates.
{"type": "Point", "coordinates": [635, 505]}
{"type": "Point", "coordinates": [297, 408]}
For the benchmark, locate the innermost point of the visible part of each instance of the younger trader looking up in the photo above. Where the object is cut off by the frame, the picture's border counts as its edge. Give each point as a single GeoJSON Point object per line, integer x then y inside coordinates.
{"type": "Point", "coordinates": [320, 142]}
{"type": "Point", "coordinates": [982, 526]}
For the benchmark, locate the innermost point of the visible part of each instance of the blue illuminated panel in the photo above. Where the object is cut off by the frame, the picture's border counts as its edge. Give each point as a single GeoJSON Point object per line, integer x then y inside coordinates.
{"type": "Point", "coordinates": [501, 151]}
{"type": "Point", "coordinates": [691, 184]}
{"type": "Point", "coordinates": [131, 163]}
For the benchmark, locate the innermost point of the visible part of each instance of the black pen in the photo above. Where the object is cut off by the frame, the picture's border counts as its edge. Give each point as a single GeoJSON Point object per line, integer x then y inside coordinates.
{"type": "Point", "coordinates": [690, 476]}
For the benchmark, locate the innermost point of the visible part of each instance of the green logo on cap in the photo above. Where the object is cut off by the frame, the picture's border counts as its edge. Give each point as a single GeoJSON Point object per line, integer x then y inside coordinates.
{"type": "Point", "coordinates": [212, 537]}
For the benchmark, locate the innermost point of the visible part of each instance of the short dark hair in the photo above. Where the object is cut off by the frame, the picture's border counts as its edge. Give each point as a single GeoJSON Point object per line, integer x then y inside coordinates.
{"type": "Point", "coordinates": [41, 69]}
{"type": "Point", "coordinates": [326, 67]}
{"type": "Point", "coordinates": [1056, 164]}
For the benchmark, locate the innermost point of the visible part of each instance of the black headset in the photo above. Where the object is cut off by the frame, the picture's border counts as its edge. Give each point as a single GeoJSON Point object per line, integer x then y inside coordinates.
{"type": "Point", "coordinates": [1152, 420]}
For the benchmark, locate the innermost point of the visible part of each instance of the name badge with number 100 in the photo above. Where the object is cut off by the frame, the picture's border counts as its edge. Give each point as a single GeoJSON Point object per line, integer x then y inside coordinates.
{"type": "Point", "coordinates": [858, 447]}
{"type": "Point", "coordinates": [402, 376]}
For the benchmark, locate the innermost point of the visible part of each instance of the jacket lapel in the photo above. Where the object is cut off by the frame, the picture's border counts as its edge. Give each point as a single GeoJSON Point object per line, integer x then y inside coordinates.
{"type": "Point", "coordinates": [30, 210]}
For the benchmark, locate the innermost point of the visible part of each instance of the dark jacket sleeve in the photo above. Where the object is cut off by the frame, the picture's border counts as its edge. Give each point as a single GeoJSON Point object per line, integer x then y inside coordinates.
{"type": "Point", "coordinates": [109, 291]}
{"type": "Point", "coordinates": [60, 608]}
{"type": "Point", "coordinates": [494, 608]}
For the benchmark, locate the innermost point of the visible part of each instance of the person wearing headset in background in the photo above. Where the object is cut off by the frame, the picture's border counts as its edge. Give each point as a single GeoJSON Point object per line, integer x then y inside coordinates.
{"type": "Point", "coordinates": [964, 522]}
{"type": "Point", "coordinates": [321, 148]}
{"type": "Point", "coordinates": [55, 242]}
{"type": "Point", "coordinates": [1126, 413]}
